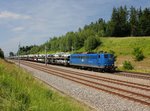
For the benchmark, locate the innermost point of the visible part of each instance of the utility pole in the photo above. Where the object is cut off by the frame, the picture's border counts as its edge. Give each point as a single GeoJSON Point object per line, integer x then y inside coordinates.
{"type": "Point", "coordinates": [19, 54]}
{"type": "Point", "coordinates": [45, 55]}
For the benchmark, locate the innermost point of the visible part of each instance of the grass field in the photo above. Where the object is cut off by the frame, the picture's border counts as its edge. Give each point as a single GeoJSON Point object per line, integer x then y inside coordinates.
{"type": "Point", "coordinates": [123, 48]}
{"type": "Point", "coordinates": [125, 45]}
{"type": "Point", "coordinates": [19, 91]}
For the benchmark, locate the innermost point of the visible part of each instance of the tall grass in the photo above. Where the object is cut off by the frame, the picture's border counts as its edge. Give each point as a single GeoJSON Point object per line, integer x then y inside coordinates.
{"type": "Point", "coordinates": [19, 91]}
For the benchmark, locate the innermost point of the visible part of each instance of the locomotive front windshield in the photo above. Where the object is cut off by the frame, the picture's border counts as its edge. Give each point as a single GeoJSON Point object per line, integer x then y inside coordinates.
{"type": "Point", "coordinates": [106, 60]}
{"type": "Point", "coordinates": [106, 55]}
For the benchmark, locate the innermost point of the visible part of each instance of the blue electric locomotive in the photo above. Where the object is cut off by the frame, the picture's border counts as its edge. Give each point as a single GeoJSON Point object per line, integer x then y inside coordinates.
{"type": "Point", "coordinates": [101, 62]}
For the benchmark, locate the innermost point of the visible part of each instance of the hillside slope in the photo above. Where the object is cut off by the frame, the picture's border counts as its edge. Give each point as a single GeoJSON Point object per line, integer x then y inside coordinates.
{"type": "Point", "coordinates": [123, 48]}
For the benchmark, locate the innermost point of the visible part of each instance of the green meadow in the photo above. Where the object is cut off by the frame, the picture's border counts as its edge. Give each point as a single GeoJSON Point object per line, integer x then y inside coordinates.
{"type": "Point", "coordinates": [125, 45]}
{"type": "Point", "coordinates": [123, 48]}
{"type": "Point", "coordinates": [19, 91]}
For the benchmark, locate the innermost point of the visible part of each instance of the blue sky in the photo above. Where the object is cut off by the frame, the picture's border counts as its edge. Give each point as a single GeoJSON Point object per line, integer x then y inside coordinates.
{"type": "Point", "coordinates": [35, 21]}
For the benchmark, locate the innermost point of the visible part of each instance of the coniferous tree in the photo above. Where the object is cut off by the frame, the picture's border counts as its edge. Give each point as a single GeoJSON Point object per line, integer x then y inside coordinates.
{"type": "Point", "coordinates": [1, 54]}
{"type": "Point", "coordinates": [133, 21]}
{"type": "Point", "coordinates": [139, 14]}
{"type": "Point", "coordinates": [144, 22]}
{"type": "Point", "coordinates": [119, 25]}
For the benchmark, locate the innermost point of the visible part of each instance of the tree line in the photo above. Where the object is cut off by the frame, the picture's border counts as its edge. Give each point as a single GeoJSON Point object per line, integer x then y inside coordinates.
{"type": "Point", "coordinates": [1, 54]}
{"type": "Point", "coordinates": [123, 22]}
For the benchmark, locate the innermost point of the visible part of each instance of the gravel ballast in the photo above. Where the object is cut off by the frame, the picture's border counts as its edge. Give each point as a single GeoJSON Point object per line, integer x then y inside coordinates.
{"type": "Point", "coordinates": [99, 100]}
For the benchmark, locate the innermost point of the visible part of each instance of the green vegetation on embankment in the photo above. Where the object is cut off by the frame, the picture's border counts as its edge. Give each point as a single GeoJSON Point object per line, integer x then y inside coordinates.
{"type": "Point", "coordinates": [19, 91]}
{"type": "Point", "coordinates": [125, 45]}
{"type": "Point", "coordinates": [123, 48]}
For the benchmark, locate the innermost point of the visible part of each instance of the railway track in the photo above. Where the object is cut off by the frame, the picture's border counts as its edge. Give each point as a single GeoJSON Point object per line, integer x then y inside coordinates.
{"type": "Point", "coordinates": [97, 82]}
{"type": "Point", "coordinates": [131, 74]}
{"type": "Point", "coordinates": [106, 79]}
{"type": "Point", "coordinates": [134, 75]}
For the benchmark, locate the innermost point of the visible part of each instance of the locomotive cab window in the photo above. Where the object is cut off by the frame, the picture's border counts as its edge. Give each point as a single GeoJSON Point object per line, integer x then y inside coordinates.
{"type": "Point", "coordinates": [99, 56]}
{"type": "Point", "coordinates": [111, 56]}
{"type": "Point", "coordinates": [106, 56]}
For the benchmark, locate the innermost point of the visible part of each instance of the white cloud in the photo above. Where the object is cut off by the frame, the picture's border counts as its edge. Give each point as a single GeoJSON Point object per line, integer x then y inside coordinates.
{"type": "Point", "coordinates": [11, 44]}
{"type": "Point", "coordinates": [11, 15]}
{"type": "Point", "coordinates": [16, 29]}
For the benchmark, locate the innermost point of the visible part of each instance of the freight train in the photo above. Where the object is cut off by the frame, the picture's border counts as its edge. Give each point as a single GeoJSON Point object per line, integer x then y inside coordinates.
{"type": "Point", "coordinates": [103, 62]}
